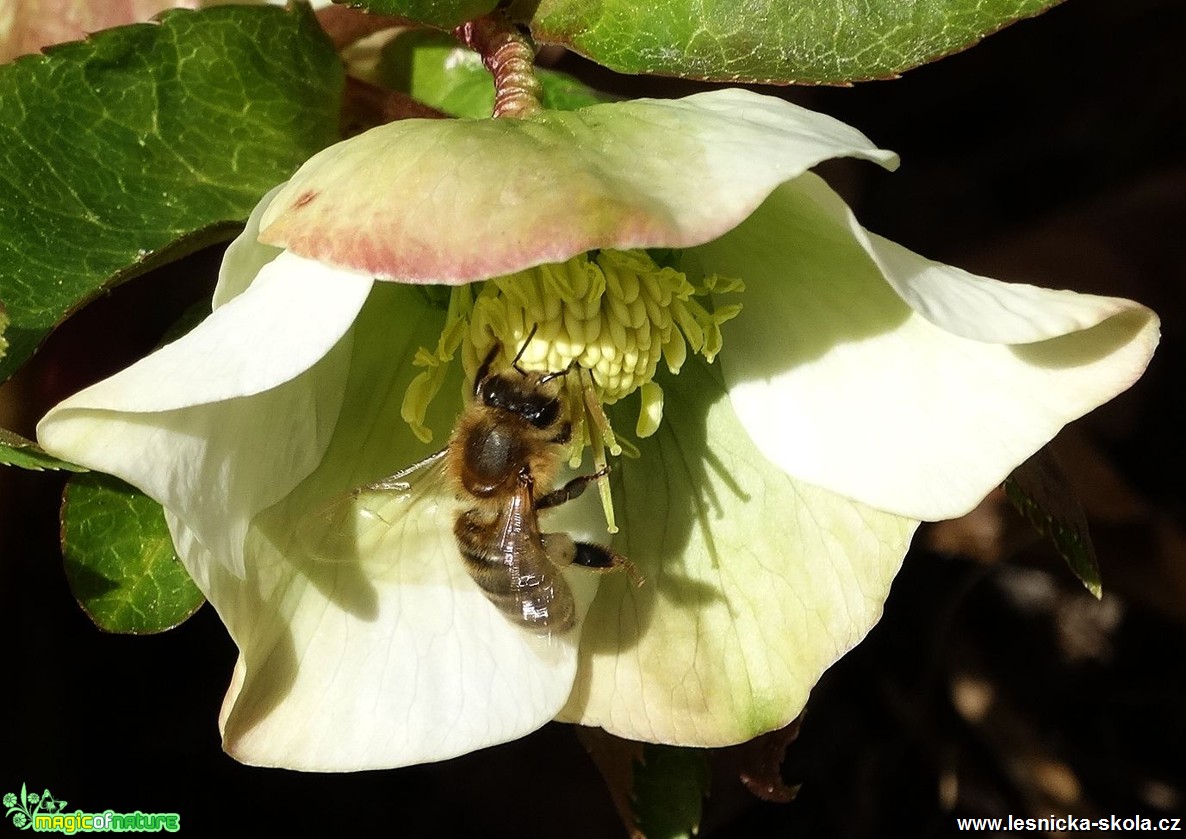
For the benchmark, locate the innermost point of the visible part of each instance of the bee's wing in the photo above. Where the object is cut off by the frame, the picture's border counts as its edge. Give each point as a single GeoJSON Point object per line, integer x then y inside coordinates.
{"type": "Point", "coordinates": [519, 536]}
{"type": "Point", "coordinates": [346, 528]}
{"type": "Point", "coordinates": [539, 597]}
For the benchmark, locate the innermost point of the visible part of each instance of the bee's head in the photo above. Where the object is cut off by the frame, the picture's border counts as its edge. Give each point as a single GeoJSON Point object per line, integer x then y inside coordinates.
{"type": "Point", "coordinates": [531, 396]}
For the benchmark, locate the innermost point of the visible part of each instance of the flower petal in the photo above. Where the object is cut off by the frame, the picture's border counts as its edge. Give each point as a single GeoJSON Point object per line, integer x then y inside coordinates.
{"type": "Point", "coordinates": [755, 583]}
{"type": "Point", "coordinates": [30, 25]}
{"type": "Point", "coordinates": [347, 667]}
{"type": "Point", "coordinates": [269, 367]}
{"type": "Point", "coordinates": [378, 650]}
{"type": "Point", "coordinates": [246, 256]}
{"type": "Point", "coordinates": [458, 200]}
{"type": "Point", "coordinates": [962, 303]}
{"type": "Point", "coordinates": [841, 383]}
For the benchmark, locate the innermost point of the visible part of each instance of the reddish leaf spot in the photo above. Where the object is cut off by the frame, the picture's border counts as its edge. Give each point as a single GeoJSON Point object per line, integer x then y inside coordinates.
{"type": "Point", "coordinates": [304, 198]}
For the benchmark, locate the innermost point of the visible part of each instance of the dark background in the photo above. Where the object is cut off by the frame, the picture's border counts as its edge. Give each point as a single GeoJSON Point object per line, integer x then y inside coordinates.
{"type": "Point", "coordinates": [994, 685]}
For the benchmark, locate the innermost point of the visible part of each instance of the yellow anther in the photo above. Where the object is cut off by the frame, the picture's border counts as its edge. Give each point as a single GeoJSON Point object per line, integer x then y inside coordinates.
{"type": "Point", "coordinates": [610, 315]}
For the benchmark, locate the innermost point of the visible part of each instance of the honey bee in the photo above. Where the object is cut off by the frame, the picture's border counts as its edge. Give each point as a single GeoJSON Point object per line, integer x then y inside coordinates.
{"type": "Point", "coordinates": [501, 463]}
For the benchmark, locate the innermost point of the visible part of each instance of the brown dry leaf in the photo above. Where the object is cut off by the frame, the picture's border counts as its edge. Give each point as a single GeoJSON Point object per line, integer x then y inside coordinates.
{"type": "Point", "coordinates": [615, 759]}
{"type": "Point", "coordinates": [758, 763]}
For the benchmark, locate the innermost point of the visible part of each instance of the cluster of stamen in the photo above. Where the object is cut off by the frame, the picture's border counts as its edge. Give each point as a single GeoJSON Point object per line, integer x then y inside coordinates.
{"type": "Point", "coordinates": [606, 318]}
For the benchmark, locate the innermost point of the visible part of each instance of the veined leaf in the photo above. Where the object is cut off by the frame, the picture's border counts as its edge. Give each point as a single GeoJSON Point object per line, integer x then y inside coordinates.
{"type": "Point", "coordinates": [806, 41]}
{"type": "Point", "coordinates": [15, 450]}
{"type": "Point", "coordinates": [146, 142]}
{"type": "Point", "coordinates": [1041, 492]}
{"type": "Point", "coordinates": [444, 14]}
{"type": "Point", "coordinates": [120, 561]}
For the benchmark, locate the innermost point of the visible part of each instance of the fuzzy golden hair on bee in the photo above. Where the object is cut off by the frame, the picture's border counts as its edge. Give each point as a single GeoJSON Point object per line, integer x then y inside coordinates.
{"type": "Point", "coordinates": [501, 466]}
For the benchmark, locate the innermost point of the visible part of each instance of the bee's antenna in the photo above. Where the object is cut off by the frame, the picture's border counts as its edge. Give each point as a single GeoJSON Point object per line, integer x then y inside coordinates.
{"type": "Point", "coordinates": [484, 371]}
{"type": "Point", "coordinates": [549, 376]}
{"type": "Point", "coordinates": [523, 349]}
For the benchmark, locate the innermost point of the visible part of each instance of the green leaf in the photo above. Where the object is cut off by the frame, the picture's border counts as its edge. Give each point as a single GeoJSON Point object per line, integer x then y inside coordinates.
{"type": "Point", "coordinates": [15, 450]}
{"type": "Point", "coordinates": [563, 92]}
{"type": "Point", "coordinates": [3, 326]}
{"type": "Point", "coordinates": [444, 14]}
{"type": "Point", "coordinates": [119, 557]}
{"type": "Point", "coordinates": [810, 41]}
{"type": "Point", "coordinates": [435, 69]}
{"type": "Point", "coordinates": [670, 783]}
{"type": "Point", "coordinates": [146, 142]}
{"type": "Point", "coordinates": [1041, 492]}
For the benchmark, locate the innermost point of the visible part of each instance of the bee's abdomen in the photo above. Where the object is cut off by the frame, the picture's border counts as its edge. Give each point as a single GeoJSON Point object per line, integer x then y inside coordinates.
{"type": "Point", "coordinates": [516, 576]}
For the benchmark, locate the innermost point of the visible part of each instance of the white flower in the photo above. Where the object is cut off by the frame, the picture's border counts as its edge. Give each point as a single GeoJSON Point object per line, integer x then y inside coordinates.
{"type": "Point", "coordinates": [861, 389]}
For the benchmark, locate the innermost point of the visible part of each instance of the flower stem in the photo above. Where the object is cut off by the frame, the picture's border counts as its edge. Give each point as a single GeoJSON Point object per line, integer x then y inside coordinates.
{"type": "Point", "coordinates": [510, 58]}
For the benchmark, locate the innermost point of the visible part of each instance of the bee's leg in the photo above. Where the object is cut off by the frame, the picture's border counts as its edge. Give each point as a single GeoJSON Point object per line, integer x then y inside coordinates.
{"type": "Point", "coordinates": [597, 557]}
{"type": "Point", "coordinates": [600, 558]}
{"type": "Point", "coordinates": [563, 551]}
{"type": "Point", "coordinates": [560, 548]}
{"type": "Point", "coordinates": [570, 490]}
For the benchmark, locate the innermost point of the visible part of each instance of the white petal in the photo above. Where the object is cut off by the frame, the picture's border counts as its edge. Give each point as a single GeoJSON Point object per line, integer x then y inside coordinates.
{"type": "Point", "coordinates": [347, 667]}
{"type": "Point", "coordinates": [246, 256]}
{"type": "Point", "coordinates": [843, 384]}
{"type": "Point", "coordinates": [269, 368]}
{"type": "Point", "coordinates": [363, 642]}
{"type": "Point", "coordinates": [755, 583]}
{"type": "Point", "coordinates": [963, 303]}
{"type": "Point", "coordinates": [294, 312]}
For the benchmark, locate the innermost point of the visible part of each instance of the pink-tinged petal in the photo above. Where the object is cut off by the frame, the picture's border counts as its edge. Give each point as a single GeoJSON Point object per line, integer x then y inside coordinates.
{"type": "Point", "coordinates": [268, 367]}
{"type": "Point", "coordinates": [842, 383]}
{"type": "Point", "coordinates": [457, 200]}
{"type": "Point", "coordinates": [28, 25]}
